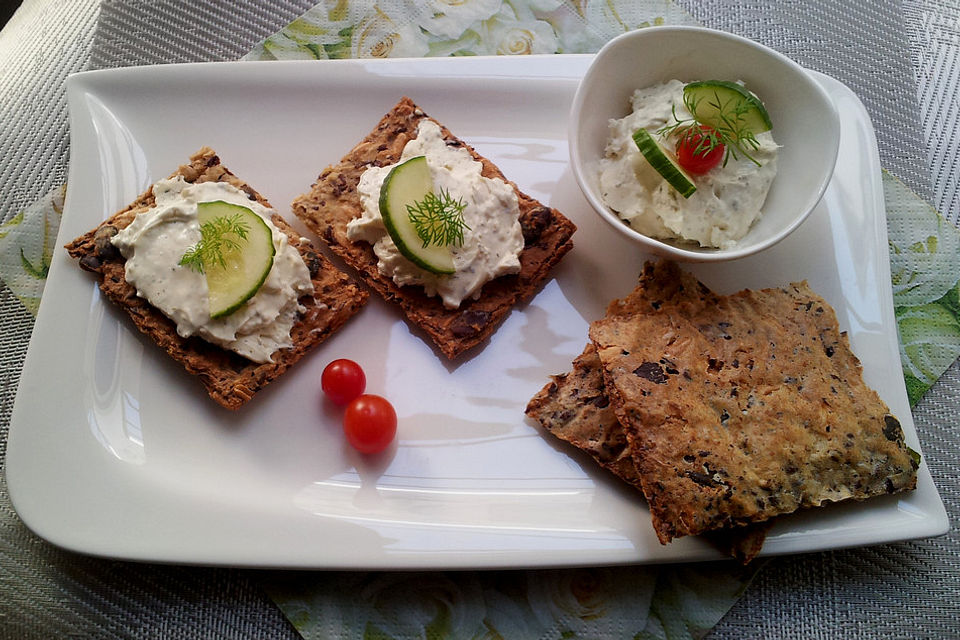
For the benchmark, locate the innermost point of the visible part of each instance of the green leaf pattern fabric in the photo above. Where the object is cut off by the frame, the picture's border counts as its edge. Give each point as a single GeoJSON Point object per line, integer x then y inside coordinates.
{"type": "Point", "coordinates": [26, 247]}
{"type": "Point", "coordinates": [925, 274]}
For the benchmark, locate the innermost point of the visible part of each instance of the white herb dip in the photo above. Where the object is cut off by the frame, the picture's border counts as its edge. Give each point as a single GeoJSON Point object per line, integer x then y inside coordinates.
{"type": "Point", "coordinates": [728, 198]}
{"type": "Point", "coordinates": [156, 240]}
{"type": "Point", "coordinates": [492, 244]}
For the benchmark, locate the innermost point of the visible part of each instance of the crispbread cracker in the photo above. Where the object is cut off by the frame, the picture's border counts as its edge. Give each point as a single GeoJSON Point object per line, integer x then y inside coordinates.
{"type": "Point", "coordinates": [229, 379]}
{"type": "Point", "coordinates": [575, 408]}
{"type": "Point", "coordinates": [333, 201]}
{"type": "Point", "coordinates": [743, 407]}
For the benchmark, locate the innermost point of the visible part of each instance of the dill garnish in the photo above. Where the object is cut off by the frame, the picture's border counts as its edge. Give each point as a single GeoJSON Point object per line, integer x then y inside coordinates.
{"type": "Point", "coordinates": [218, 237]}
{"type": "Point", "coordinates": [730, 130]}
{"type": "Point", "coordinates": [438, 219]}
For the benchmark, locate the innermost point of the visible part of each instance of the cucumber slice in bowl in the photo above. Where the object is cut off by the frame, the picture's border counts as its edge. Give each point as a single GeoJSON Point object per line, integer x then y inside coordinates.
{"type": "Point", "coordinates": [408, 184]}
{"type": "Point", "coordinates": [243, 257]}
{"type": "Point", "coordinates": [660, 160]}
{"type": "Point", "coordinates": [726, 105]}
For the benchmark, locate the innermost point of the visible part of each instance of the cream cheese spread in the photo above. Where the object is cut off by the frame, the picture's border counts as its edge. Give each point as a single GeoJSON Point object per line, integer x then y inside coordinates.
{"type": "Point", "coordinates": [156, 240]}
{"type": "Point", "coordinates": [492, 243]}
{"type": "Point", "coordinates": [728, 199]}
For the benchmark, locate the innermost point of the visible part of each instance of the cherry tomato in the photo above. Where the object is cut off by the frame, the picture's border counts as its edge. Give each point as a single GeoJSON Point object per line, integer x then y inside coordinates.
{"type": "Point", "coordinates": [370, 423]}
{"type": "Point", "coordinates": [343, 380]}
{"type": "Point", "coordinates": [697, 160]}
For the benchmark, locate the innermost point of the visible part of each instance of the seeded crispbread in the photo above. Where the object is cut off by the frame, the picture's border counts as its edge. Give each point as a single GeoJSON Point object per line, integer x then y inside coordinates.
{"type": "Point", "coordinates": [574, 407]}
{"type": "Point", "coordinates": [333, 201]}
{"type": "Point", "coordinates": [740, 408]}
{"type": "Point", "coordinates": [230, 379]}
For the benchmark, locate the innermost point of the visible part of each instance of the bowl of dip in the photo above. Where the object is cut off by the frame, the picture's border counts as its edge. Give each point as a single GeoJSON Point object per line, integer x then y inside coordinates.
{"type": "Point", "coordinates": [748, 202]}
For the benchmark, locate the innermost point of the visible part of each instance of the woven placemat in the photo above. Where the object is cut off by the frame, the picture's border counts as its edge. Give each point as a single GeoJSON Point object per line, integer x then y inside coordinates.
{"type": "Point", "coordinates": [933, 27]}
{"type": "Point", "coordinates": [51, 40]}
{"type": "Point", "coordinates": [904, 590]}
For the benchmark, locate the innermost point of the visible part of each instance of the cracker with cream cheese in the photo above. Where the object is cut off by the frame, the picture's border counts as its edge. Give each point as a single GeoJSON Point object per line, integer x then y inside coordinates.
{"type": "Point", "coordinates": [333, 202]}
{"type": "Point", "coordinates": [231, 380]}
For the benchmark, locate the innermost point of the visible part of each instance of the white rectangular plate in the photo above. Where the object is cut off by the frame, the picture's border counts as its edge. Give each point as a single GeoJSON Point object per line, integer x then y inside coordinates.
{"type": "Point", "coordinates": [115, 451]}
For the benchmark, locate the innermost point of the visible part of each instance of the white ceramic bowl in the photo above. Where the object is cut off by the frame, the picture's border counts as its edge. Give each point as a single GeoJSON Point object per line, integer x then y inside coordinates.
{"type": "Point", "coordinates": [805, 123]}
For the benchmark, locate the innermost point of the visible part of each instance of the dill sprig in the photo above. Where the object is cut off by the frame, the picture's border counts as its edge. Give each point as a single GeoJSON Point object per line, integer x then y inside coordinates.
{"type": "Point", "coordinates": [438, 219]}
{"type": "Point", "coordinates": [218, 237]}
{"type": "Point", "coordinates": [732, 130]}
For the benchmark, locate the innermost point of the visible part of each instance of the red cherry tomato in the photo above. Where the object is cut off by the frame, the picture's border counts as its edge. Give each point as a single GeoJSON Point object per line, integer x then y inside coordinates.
{"type": "Point", "coordinates": [693, 154]}
{"type": "Point", "coordinates": [370, 423]}
{"type": "Point", "coordinates": [343, 380]}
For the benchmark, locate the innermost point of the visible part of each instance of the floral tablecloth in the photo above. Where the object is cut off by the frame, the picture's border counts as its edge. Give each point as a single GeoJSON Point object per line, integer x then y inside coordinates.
{"type": "Point", "coordinates": [638, 602]}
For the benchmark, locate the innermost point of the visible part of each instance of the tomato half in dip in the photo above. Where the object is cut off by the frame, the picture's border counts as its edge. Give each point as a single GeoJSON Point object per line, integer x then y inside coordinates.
{"type": "Point", "coordinates": [698, 151]}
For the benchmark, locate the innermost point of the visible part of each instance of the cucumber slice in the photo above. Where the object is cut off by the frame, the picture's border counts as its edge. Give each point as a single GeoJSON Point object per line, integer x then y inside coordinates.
{"type": "Point", "coordinates": [660, 160]}
{"type": "Point", "coordinates": [406, 184]}
{"type": "Point", "coordinates": [246, 262]}
{"type": "Point", "coordinates": [715, 100]}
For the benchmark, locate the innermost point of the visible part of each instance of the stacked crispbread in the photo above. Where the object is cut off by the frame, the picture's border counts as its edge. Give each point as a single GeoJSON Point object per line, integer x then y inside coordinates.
{"type": "Point", "coordinates": [726, 411]}
{"type": "Point", "coordinates": [333, 201]}
{"type": "Point", "coordinates": [229, 379]}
